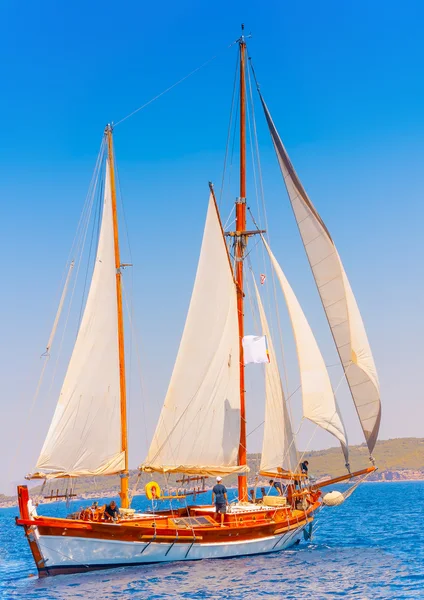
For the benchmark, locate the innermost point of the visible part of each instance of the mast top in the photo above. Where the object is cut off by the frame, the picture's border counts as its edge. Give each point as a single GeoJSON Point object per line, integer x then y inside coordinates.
{"type": "Point", "coordinates": [242, 38]}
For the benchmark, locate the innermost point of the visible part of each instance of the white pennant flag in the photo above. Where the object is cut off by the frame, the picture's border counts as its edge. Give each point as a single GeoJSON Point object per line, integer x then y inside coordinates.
{"type": "Point", "coordinates": [255, 349]}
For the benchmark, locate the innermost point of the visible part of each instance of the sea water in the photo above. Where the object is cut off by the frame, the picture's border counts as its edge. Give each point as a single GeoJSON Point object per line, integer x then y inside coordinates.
{"type": "Point", "coordinates": [370, 547]}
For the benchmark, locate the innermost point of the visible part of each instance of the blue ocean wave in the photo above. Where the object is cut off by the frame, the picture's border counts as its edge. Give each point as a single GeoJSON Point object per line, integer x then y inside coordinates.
{"type": "Point", "coordinates": [371, 547]}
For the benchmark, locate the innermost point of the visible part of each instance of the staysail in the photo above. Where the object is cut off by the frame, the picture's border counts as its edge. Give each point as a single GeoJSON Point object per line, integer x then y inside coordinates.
{"type": "Point", "coordinates": [278, 447]}
{"type": "Point", "coordinates": [337, 297]}
{"type": "Point", "coordinates": [319, 403]}
{"type": "Point", "coordinates": [85, 435]}
{"type": "Point", "coordinates": [199, 427]}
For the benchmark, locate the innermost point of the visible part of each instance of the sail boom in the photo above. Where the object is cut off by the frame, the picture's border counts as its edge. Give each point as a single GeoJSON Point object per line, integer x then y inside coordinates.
{"type": "Point", "coordinates": [206, 470]}
{"type": "Point", "coordinates": [114, 467]}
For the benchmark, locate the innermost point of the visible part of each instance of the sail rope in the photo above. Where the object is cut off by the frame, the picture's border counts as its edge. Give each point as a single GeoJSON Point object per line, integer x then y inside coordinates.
{"type": "Point", "coordinates": [171, 87]}
{"type": "Point", "coordinates": [263, 422]}
{"type": "Point", "coordinates": [255, 144]}
{"type": "Point", "coordinates": [76, 250]}
{"type": "Point", "coordinates": [295, 434]}
{"type": "Point", "coordinates": [135, 338]}
{"type": "Point", "coordinates": [229, 133]}
{"type": "Point", "coordinates": [79, 252]}
{"type": "Point", "coordinates": [262, 194]}
{"type": "Point", "coordinates": [280, 335]}
{"type": "Point", "coordinates": [288, 395]}
{"type": "Point", "coordinates": [59, 310]}
{"type": "Point", "coordinates": [134, 488]}
{"type": "Point", "coordinates": [94, 238]}
{"type": "Point", "coordinates": [317, 426]}
{"type": "Point", "coordinates": [350, 491]}
{"type": "Point", "coordinates": [227, 223]}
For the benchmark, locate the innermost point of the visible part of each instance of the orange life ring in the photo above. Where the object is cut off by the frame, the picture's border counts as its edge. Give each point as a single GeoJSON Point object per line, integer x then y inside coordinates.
{"type": "Point", "coordinates": [153, 491]}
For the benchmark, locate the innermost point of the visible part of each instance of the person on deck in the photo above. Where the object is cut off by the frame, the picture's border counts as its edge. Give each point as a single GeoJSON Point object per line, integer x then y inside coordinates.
{"type": "Point", "coordinates": [111, 512]}
{"type": "Point", "coordinates": [219, 497]}
{"type": "Point", "coordinates": [304, 467]}
{"type": "Point", "coordinates": [277, 485]}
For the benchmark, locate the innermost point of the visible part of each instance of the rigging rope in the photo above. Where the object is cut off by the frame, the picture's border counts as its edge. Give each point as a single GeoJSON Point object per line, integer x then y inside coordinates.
{"type": "Point", "coordinates": [77, 247]}
{"type": "Point", "coordinates": [262, 194]}
{"type": "Point", "coordinates": [97, 221]}
{"type": "Point", "coordinates": [80, 250]}
{"type": "Point", "coordinates": [228, 133]}
{"type": "Point", "coordinates": [59, 310]}
{"type": "Point", "coordinates": [267, 229]}
{"type": "Point", "coordinates": [138, 357]}
{"type": "Point", "coordinates": [335, 413]}
{"type": "Point", "coordinates": [168, 89]}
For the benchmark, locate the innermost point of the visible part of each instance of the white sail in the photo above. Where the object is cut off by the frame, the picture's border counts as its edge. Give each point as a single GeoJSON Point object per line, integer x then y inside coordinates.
{"type": "Point", "coordinates": [336, 294]}
{"type": "Point", "coordinates": [319, 404]}
{"type": "Point", "coordinates": [199, 426]}
{"type": "Point", "coordinates": [85, 435]}
{"type": "Point", "coordinates": [278, 447]}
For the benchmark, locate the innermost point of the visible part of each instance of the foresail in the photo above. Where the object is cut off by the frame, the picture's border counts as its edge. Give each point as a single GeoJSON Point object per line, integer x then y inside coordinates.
{"type": "Point", "coordinates": [85, 435]}
{"type": "Point", "coordinates": [319, 403]}
{"type": "Point", "coordinates": [199, 426]}
{"type": "Point", "coordinates": [278, 447]}
{"type": "Point", "coordinates": [338, 300]}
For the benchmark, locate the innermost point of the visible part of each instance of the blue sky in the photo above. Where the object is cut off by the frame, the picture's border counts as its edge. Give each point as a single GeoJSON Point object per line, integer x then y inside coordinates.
{"type": "Point", "coordinates": [344, 84]}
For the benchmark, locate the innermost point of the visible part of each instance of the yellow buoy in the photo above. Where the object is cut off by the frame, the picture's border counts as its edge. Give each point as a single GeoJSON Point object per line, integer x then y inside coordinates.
{"type": "Point", "coordinates": [153, 491]}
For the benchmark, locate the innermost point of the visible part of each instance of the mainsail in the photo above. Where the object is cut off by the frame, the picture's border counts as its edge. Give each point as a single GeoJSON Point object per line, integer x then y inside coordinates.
{"type": "Point", "coordinates": [199, 426]}
{"type": "Point", "coordinates": [278, 447]}
{"type": "Point", "coordinates": [337, 298]}
{"type": "Point", "coordinates": [319, 404]}
{"type": "Point", "coordinates": [85, 435]}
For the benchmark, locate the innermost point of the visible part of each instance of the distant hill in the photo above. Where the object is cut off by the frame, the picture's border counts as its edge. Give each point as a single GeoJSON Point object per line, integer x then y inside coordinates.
{"type": "Point", "coordinates": [390, 456]}
{"type": "Point", "coordinates": [397, 459]}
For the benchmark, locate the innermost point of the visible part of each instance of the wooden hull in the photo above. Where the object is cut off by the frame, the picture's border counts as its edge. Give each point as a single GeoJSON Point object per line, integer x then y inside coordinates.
{"type": "Point", "coordinates": [70, 554]}
{"type": "Point", "coordinates": [70, 546]}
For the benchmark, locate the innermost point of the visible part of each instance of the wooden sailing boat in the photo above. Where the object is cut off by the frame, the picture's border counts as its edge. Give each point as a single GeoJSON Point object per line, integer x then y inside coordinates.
{"type": "Point", "coordinates": [205, 398]}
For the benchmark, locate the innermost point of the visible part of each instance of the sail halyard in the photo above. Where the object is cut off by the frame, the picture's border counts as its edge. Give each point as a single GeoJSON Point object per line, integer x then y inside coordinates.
{"type": "Point", "coordinates": [338, 301]}
{"type": "Point", "coordinates": [121, 342]}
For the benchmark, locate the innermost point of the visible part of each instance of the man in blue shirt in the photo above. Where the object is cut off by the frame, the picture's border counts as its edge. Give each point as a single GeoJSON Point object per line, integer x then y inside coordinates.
{"type": "Point", "coordinates": [111, 512]}
{"type": "Point", "coordinates": [219, 497]}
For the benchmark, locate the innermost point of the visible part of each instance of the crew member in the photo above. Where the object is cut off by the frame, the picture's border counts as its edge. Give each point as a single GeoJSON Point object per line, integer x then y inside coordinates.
{"type": "Point", "coordinates": [277, 485]}
{"type": "Point", "coordinates": [219, 497]}
{"type": "Point", "coordinates": [111, 512]}
{"type": "Point", "coordinates": [304, 467]}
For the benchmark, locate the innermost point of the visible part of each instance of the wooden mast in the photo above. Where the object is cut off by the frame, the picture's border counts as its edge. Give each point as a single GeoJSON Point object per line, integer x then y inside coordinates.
{"type": "Point", "coordinates": [122, 385]}
{"type": "Point", "coordinates": [239, 251]}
